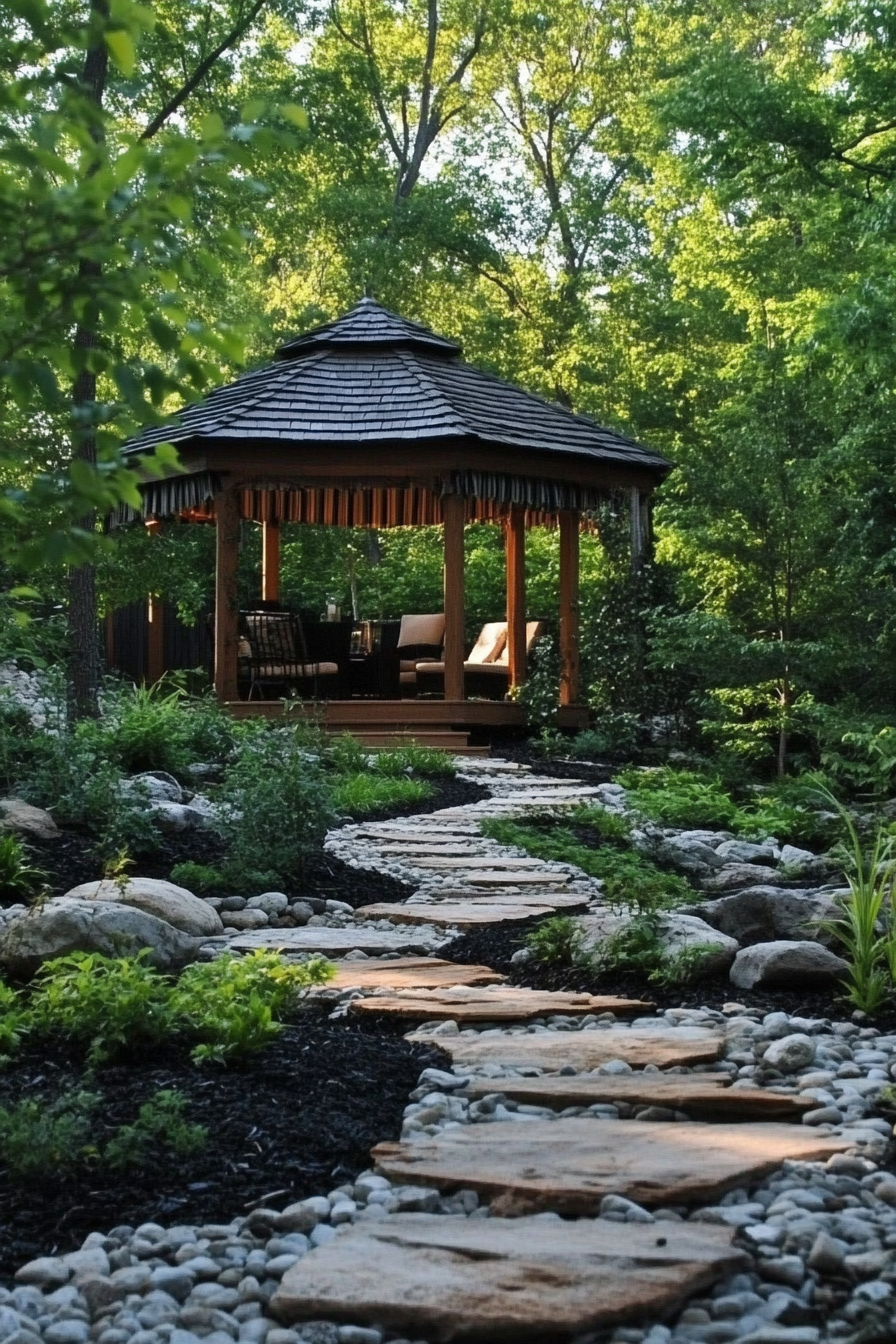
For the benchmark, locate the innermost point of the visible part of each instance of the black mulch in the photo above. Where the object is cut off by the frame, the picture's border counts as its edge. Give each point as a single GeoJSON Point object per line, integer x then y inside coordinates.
{"type": "Point", "coordinates": [295, 1120]}
{"type": "Point", "coordinates": [495, 945]}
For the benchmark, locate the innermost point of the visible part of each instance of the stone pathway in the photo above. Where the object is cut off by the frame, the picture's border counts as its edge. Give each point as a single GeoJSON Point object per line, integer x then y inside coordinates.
{"type": "Point", "coordinates": [697, 1177]}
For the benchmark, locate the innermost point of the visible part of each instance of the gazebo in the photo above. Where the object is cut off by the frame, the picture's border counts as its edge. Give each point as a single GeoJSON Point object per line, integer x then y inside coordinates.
{"type": "Point", "coordinates": [375, 421]}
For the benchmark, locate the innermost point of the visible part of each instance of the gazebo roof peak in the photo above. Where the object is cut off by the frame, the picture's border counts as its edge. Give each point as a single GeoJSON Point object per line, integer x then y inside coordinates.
{"type": "Point", "coordinates": [369, 324]}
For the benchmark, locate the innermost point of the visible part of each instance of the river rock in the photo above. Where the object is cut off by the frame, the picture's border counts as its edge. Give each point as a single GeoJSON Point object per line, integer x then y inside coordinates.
{"type": "Point", "coordinates": [677, 933]}
{"type": "Point", "coordinates": [175, 905]}
{"type": "Point", "coordinates": [786, 965]}
{"type": "Point", "coordinates": [742, 851]}
{"type": "Point", "coordinates": [791, 1054]}
{"type": "Point", "coordinates": [763, 914]}
{"type": "Point", "coordinates": [65, 925]}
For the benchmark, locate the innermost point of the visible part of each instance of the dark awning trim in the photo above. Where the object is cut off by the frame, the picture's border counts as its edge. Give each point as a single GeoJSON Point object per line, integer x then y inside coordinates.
{"type": "Point", "coordinates": [545, 496]}
{"type": "Point", "coordinates": [166, 499]}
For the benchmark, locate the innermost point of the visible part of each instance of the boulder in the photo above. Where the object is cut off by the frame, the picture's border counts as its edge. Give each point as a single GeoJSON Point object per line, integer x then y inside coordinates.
{"type": "Point", "coordinates": [158, 785]}
{"type": "Point", "coordinates": [763, 914]}
{"type": "Point", "coordinates": [786, 965]}
{"type": "Point", "coordinates": [796, 858]}
{"type": "Point", "coordinates": [163, 900]}
{"type": "Point", "coordinates": [108, 927]}
{"type": "Point", "coordinates": [736, 875]}
{"type": "Point", "coordinates": [677, 933]}
{"type": "Point", "coordinates": [742, 851]}
{"type": "Point", "coordinates": [32, 822]}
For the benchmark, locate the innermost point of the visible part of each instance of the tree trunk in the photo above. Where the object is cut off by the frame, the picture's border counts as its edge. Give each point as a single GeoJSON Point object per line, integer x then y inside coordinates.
{"type": "Point", "coordinates": [83, 638]}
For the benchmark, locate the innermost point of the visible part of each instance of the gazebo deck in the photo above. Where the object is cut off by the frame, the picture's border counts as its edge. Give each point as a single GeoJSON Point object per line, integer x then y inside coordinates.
{"type": "Point", "coordinates": [386, 723]}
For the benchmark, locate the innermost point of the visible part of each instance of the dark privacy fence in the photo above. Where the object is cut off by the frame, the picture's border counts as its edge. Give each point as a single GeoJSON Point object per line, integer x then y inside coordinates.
{"type": "Point", "coordinates": [186, 646]}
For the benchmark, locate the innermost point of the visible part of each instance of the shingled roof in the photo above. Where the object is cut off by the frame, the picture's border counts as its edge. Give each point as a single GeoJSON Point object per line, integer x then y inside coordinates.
{"type": "Point", "coordinates": [372, 376]}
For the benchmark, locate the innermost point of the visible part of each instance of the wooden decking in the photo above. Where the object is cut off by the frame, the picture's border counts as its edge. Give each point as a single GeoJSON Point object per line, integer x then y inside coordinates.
{"type": "Point", "coordinates": [447, 724]}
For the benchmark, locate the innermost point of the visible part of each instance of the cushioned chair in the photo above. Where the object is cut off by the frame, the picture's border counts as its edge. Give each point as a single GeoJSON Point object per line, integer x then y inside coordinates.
{"type": "Point", "coordinates": [487, 667]}
{"type": "Point", "coordinates": [273, 658]}
{"type": "Point", "coordinates": [420, 641]}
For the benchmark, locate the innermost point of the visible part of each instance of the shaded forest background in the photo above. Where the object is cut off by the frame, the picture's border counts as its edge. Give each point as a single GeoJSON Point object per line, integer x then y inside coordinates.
{"type": "Point", "coordinates": [679, 218]}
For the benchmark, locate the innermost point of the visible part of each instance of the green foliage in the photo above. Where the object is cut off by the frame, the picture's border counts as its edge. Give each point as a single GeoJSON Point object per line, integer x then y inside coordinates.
{"type": "Point", "coordinates": [557, 941]}
{"type": "Point", "coordinates": [13, 1023]}
{"type": "Point", "coordinates": [628, 878]}
{"type": "Point", "coordinates": [19, 879]}
{"type": "Point", "coordinates": [39, 1139]}
{"type": "Point", "coordinates": [148, 728]}
{"type": "Point", "coordinates": [679, 798]}
{"type": "Point", "coordinates": [160, 1127]}
{"type": "Point", "coordinates": [200, 878]}
{"type": "Point", "coordinates": [858, 749]}
{"type": "Point", "coordinates": [867, 929]}
{"type": "Point", "coordinates": [414, 759]}
{"type": "Point", "coordinates": [232, 1004]}
{"type": "Point", "coordinates": [615, 736]}
{"type": "Point", "coordinates": [107, 1004]}
{"type": "Point", "coordinates": [360, 794]}
{"type": "Point", "coordinates": [274, 805]}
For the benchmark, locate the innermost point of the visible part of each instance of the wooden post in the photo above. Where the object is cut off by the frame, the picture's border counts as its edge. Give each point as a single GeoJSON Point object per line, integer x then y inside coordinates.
{"type": "Point", "coordinates": [155, 625]}
{"type": "Point", "coordinates": [515, 551]}
{"type": "Point", "coordinates": [569, 606]}
{"type": "Point", "coordinates": [270, 562]}
{"type": "Point", "coordinates": [453, 512]}
{"type": "Point", "coordinates": [638, 528]}
{"type": "Point", "coordinates": [227, 519]}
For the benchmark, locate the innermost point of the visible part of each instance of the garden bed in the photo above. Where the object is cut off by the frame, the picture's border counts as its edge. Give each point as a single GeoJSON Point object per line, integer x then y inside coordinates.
{"type": "Point", "coordinates": [296, 1119]}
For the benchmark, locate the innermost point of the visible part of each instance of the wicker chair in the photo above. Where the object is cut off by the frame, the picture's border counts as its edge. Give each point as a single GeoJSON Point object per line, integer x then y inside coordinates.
{"type": "Point", "coordinates": [274, 659]}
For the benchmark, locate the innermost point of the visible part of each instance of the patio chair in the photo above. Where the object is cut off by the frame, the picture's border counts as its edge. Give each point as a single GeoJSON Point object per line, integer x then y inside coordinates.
{"type": "Point", "coordinates": [420, 641]}
{"type": "Point", "coordinates": [273, 658]}
{"type": "Point", "coordinates": [487, 667]}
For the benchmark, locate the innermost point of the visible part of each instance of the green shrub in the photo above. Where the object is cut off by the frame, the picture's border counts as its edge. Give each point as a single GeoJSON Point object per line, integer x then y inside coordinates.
{"type": "Point", "coordinates": [201, 878]}
{"type": "Point", "coordinates": [160, 1126]}
{"type": "Point", "coordinates": [360, 794]}
{"type": "Point", "coordinates": [679, 798]}
{"type": "Point", "coordinates": [13, 1022]}
{"type": "Point", "coordinates": [19, 880]}
{"type": "Point", "coordinates": [613, 736]}
{"type": "Point", "coordinates": [274, 805]}
{"type": "Point", "coordinates": [104, 1002]}
{"type": "Point", "coordinates": [159, 728]}
{"type": "Point", "coordinates": [231, 1004]}
{"type": "Point", "coordinates": [557, 941]}
{"type": "Point", "coordinates": [38, 1138]}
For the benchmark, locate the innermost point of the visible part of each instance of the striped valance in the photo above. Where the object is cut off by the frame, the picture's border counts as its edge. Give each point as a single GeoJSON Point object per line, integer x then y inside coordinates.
{"type": "Point", "coordinates": [541, 496]}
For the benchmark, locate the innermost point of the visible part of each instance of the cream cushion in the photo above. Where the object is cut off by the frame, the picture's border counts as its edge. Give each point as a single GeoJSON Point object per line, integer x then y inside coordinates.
{"type": "Point", "coordinates": [491, 643]}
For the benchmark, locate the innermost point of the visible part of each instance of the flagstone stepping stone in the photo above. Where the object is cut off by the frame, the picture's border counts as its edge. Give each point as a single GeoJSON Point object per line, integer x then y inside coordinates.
{"type": "Point", "coordinates": [333, 942]}
{"type": "Point", "coordinates": [475, 861]}
{"type": "Point", "coordinates": [584, 1050]}
{"type": "Point", "coordinates": [451, 914]}
{"type": "Point", "coordinates": [430, 850]}
{"type": "Point", "coordinates": [516, 877]}
{"type": "Point", "coordinates": [568, 1166]}
{"type": "Point", "coordinates": [504, 1003]}
{"type": "Point", "coordinates": [410, 973]}
{"type": "Point", "coordinates": [703, 1096]}
{"type": "Point", "coordinates": [503, 1279]}
{"type": "Point", "coordinates": [557, 900]}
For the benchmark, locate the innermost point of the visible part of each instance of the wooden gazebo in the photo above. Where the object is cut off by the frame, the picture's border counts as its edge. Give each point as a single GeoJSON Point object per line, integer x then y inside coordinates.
{"type": "Point", "coordinates": [375, 421]}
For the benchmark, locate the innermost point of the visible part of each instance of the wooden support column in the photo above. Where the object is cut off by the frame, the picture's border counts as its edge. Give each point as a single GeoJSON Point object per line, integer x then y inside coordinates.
{"type": "Point", "coordinates": [227, 519]}
{"type": "Point", "coordinates": [155, 625]}
{"type": "Point", "coordinates": [453, 514]}
{"type": "Point", "coordinates": [515, 552]}
{"type": "Point", "coordinates": [569, 606]}
{"type": "Point", "coordinates": [270, 562]}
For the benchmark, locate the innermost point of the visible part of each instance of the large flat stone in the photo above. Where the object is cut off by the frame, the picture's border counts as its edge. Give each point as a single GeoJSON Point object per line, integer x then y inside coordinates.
{"type": "Point", "coordinates": [499, 1279]}
{"type": "Point", "coordinates": [569, 1165]}
{"type": "Point", "coordinates": [504, 1003]}
{"type": "Point", "coordinates": [583, 1050]}
{"type": "Point", "coordinates": [481, 861]}
{"type": "Point", "coordinates": [482, 896]}
{"type": "Point", "coordinates": [333, 942]}
{"type": "Point", "coordinates": [451, 914]}
{"type": "Point", "coordinates": [702, 1096]}
{"type": "Point", "coordinates": [410, 973]}
{"type": "Point", "coordinates": [517, 877]}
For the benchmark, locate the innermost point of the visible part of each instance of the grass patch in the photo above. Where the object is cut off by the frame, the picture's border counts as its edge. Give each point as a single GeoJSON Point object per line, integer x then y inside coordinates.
{"type": "Point", "coordinates": [364, 792]}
